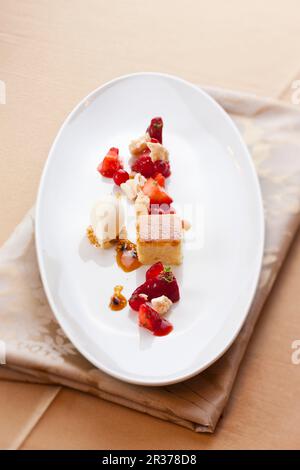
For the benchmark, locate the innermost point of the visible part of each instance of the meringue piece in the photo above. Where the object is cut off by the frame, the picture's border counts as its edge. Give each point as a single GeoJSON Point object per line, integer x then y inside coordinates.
{"type": "Point", "coordinates": [161, 304]}
{"type": "Point", "coordinates": [136, 146]}
{"type": "Point", "coordinates": [129, 189]}
{"type": "Point", "coordinates": [133, 186]}
{"type": "Point", "coordinates": [158, 152]}
{"type": "Point", "coordinates": [142, 204]}
{"type": "Point", "coordinates": [139, 180]}
{"type": "Point", "coordinates": [107, 221]}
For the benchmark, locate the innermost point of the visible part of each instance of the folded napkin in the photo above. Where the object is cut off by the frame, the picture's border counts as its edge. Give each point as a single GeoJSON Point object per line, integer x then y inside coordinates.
{"type": "Point", "coordinates": [38, 350]}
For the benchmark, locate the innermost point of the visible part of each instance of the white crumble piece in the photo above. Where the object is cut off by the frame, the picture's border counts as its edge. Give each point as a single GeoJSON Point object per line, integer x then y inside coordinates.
{"type": "Point", "coordinates": [161, 304]}
{"type": "Point", "coordinates": [142, 204]}
{"type": "Point", "coordinates": [140, 181]}
{"type": "Point", "coordinates": [129, 189]}
{"type": "Point", "coordinates": [133, 186]}
{"type": "Point", "coordinates": [136, 146]}
{"type": "Point", "coordinates": [158, 152]}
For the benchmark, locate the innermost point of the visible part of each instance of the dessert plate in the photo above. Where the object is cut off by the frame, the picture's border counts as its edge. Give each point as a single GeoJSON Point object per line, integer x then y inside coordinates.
{"type": "Point", "coordinates": [215, 186]}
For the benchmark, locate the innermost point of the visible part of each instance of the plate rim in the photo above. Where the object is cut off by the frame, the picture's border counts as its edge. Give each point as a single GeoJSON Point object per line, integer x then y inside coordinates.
{"type": "Point", "coordinates": [260, 230]}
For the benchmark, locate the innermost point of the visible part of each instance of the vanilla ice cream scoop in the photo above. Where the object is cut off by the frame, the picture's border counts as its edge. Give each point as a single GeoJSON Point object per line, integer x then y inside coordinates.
{"type": "Point", "coordinates": [107, 220]}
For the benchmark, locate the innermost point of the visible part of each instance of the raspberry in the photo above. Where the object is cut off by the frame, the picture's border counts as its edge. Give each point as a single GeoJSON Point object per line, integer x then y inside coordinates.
{"type": "Point", "coordinates": [144, 165]}
{"type": "Point", "coordinates": [162, 167]}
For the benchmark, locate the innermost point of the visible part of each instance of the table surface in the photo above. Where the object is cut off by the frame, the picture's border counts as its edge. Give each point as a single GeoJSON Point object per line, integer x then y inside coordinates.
{"type": "Point", "coordinates": [52, 53]}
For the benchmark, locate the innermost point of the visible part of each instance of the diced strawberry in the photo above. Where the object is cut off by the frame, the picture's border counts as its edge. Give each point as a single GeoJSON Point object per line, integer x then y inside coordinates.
{"type": "Point", "coordinates": [154, 270]}
{"type": "Point", "coordinates": [164, 283]}
{"type": "Point", "coordinates": [160, 179]}
{"type": "Point", "coordinates": [121, 176]}
{"type": "Point", "coordinates": [113, 151]}
{"type": "Point", "coordinates": [110, 164]}
{"type": "Point", "coordinates": [164, 329]}
{"type": "Point", "coordinates": [163, 167]}
{"type": "Point", "coordinates": [150, 319]}
{"type": "Point", "coordinates": [156, 193]}
{"type": "Point", "coordinates": [155, 129]}
{"type": "Point", "coordinates": [136, 300]}
{"type": "Point", "coordinates": [144, 165]}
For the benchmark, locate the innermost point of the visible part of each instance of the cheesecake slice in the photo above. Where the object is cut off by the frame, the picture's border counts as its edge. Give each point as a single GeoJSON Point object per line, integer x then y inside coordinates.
{"type": "Point", "coordinates": [159, 238]}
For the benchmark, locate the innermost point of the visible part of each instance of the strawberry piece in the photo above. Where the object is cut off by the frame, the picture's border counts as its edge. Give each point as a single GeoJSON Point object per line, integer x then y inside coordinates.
{"type": "Point", "coordinates": [156, 193]}
{"type": "Point", "coordinates": [110, 164]}
{"type": "Point", "coordinates": [164, 283]}
{"type": "Point", "coordinates": [121, 176]}
{"type": "Point", "coordinates": [150, 319]}
{"type": "Point", "coordinates": [164, 329]}
{"type": "Point", "coordinates": [113, 151]}
{"type": "Point", "coordinates": [160, 166]}
{"type": "Point", "coordinates": [155, 129]}
{"type": "Point", "coordinates": [144, 165]}
{"type": "Point", "coordinates": [160, 179]}
{"type": "Point", "coordinates": [154, 270]}
{"type": "Point", "coordinates": [136, 300]}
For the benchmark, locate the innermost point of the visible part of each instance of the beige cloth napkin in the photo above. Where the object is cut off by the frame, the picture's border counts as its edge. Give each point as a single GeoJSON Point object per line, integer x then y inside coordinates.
{"type": "Point", "coordinates": [38, 350]}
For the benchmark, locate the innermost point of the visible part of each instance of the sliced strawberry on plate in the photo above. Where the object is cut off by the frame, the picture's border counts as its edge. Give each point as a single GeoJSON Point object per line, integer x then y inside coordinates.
{"type": "Point", "coordinates": [155, 129]}
{"type": "Point", "coordinates": [154, 270]}
{"type": "Point", "coordinates": [150, 319]}
{"type": "Point", "coordinates": [156, 193]}
{"type": "Point", "coordinates": [160, 179]}
{"type": "Point", "coordinates": [164, 283]}
{"type": "Point", "coordinates": [110, 164]}
{"type": "Point", "coordinates": [137, 299]}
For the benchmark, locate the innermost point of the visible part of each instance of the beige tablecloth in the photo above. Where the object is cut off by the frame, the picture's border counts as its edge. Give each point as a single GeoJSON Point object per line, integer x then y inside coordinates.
{"type": "Point", "coordinates": [38, 350]}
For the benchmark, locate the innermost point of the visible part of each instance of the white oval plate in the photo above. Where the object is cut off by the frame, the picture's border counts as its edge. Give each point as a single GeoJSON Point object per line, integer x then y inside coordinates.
{"type": "Point", "coordinates": [211, 169]}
